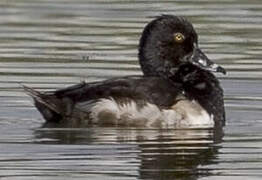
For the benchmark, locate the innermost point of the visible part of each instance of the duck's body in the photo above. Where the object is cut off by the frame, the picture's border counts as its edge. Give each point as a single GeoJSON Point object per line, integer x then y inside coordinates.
{"type": "Point", "coordinates": [137, 101]}
{"type": "Point", "coordinates": [126, 101]}
{"type": "Point", "coordinates": [173, 92]}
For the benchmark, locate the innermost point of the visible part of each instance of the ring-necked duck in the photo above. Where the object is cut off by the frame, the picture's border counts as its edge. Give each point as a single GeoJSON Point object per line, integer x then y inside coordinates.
{"type": "Point", "coordinates": [168, 41]}
{"type": "Point", "coordinates": [175, 91]}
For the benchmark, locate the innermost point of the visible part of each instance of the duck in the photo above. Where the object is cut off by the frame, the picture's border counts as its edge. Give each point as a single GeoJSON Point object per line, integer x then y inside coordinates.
{"type": "Point", "coordinates": [177, 89]}
{"type": "Point", "coordinates": [168, 41]}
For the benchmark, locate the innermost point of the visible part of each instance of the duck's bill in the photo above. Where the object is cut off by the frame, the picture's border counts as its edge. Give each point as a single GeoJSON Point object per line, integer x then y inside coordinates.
{"type": "Point", "coordinates": [200, 59]}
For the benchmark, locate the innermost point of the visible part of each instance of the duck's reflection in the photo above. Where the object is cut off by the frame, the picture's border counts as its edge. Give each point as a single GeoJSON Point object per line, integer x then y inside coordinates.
{"type": "Point", "coordinates": [177, 154]}
{"type": "Point", "coordinates": [183, 155]}
{"type": "Point", "coordinates": [163, 154]}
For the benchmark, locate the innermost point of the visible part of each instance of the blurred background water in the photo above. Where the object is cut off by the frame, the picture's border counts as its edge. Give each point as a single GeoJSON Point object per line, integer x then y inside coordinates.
{"type": "Point", "coordinates": [49, 44]}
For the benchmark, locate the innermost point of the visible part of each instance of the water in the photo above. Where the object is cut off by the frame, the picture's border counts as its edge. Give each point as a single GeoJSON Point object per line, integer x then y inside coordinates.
{"type": "Point", "coordinates": [53, 44]}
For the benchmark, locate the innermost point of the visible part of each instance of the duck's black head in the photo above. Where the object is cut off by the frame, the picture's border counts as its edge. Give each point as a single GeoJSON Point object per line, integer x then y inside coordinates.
{"type": "Point", "coordinates": [167, 42]}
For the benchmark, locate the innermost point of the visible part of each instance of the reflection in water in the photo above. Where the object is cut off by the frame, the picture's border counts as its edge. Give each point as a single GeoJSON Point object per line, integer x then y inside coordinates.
{"type": "Point", "coordinates": [161, 154]}
{"type": "Point", "coordinates": [180, 156]}
{"type": "Point", "coordinates": [42, 44]}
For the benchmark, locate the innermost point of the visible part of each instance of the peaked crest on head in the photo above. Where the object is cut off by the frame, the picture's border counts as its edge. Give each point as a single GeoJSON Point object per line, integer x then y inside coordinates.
{"type": "Point", "coordinates": [166, 42]}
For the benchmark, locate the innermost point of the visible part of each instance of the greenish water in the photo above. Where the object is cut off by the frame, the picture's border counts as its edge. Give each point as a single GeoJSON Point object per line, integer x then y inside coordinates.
{"type": "Point", "coordinates": [50, 44]}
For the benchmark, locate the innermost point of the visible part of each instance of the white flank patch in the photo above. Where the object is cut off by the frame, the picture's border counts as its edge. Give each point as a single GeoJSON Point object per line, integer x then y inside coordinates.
{"type": "Point", "coordinates": [129, 114]}
{"type": "Point", "coordinates": [194, 114]}
{"type": "Point", "coordinates": [185, 114]}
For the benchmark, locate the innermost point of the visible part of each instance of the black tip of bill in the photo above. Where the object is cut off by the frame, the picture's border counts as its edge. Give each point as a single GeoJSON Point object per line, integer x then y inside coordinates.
{"type": "Point", "coordinates": [222, 70]}
{"type": "Point", "coordinates": [200, 59]}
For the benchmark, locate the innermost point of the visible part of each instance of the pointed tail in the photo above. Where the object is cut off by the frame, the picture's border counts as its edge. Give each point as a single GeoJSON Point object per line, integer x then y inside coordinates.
{"type": "Point", "coordinates": [48, 105]}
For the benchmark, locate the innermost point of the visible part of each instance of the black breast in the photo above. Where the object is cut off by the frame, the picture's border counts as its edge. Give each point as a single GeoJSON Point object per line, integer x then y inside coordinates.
{"type": "Point", "coordinates": [202, 86]}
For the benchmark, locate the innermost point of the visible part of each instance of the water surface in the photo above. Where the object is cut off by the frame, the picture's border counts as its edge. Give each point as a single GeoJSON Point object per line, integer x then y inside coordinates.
{"type": "Point", "coordinates": [50, 44]}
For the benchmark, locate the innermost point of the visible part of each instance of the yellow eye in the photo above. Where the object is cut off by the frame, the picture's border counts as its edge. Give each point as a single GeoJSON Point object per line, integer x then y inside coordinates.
{"type": "Point", "coordinates": [179, 38]}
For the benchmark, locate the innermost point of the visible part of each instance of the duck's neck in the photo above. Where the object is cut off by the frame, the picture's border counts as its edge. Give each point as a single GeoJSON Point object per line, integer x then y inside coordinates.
{"type": "Point", "coordinates": [164, 69]}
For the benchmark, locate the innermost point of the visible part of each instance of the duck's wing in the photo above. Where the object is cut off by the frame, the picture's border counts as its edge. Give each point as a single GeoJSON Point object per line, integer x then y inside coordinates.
{"type": "Point", "coordinates": [56, 105]}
